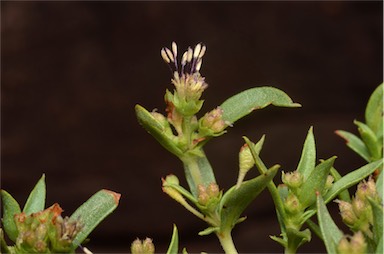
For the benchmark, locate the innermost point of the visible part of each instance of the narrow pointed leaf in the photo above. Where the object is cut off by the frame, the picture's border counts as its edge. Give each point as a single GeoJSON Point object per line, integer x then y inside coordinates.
{"type": "Point", "coordinates": [10, 208]}
{"type": "Point", "coordinates": [209, 230]}
{"type": "Point", "coordinates": [234, 201]}
{"type": "Point", "coordinates": [245, 102]}
{"type": "Point", "coordinates": [377, 220]}
{"type": "Point", "coordinates": [315, 182]}
{"type": "Point", "coordinates": [308, 156]}
{"type": "Point", "coordinates": [374, 111]}
{"type": "Point", "coordinates": [371, 142]}
{"type": "Point", "coordinates": [379, 248]}
{"type": "Point", "coordinates": [329, 230]}
{"type": "Point", "coordinates": [36, 200]}
{"type": "Point", "coordinates": [355, 143]}
{"type": "Point", "coordinates": [174, 245]}
{"type": "Point", "coordinates": [151, 125]}
{"type": "Point", "coordinates": [93, 211]}
{"type": "Point", "coordinates": [351, 179]}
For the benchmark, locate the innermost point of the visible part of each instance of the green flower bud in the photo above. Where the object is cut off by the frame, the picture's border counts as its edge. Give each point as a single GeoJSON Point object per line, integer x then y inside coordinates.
{"type": "Point", "coordinates": [329, 182]}
{"type": "Point", "coordinates": [292, 179]}
{"type": "Point", "coordinates": [292, 204]}
{"type": "Point", "coordinates": [367, 189]}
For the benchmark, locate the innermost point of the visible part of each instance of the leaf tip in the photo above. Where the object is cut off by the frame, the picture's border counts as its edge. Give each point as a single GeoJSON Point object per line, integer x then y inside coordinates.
{"type": "Point", "coordinates": [116, 196]}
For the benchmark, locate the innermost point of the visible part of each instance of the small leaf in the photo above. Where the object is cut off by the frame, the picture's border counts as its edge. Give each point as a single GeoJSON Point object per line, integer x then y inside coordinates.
{"type": "Point", "coordinates": [234, 201]}
{"type": "Point", "coordinates": [355, 143]}
{"type": "Point", "coordinates": [308, 156]}
{"type": "Point", "coordinates": [209, 231]}
{"type": "Point", "coordinates": [174, 245]}
{"type": "Point", "coordinates": [245, 102]}
{"type": "Point", "coordinates": [36, 200]}
{"type": "Point", "coordinates": [279, 240]}
{"type": "Point", "coordinates": [377, 220]}
{"type": "Point", "coordinates": [371, 142]}
{"type": "Point", "coordinates": [329, 230]}
{"type": "Point", "coordinates": [151, 125]}
{"type": "Point", "coordinates": [315, 182]}
{"type": "Point", "coordinates": [93, 211]}
{"type": "Point", "coordinates": [297, 238]}
{"type": "Point", "coordinates": [351, 179]}
{"type": "Point", "coordinates": [379, 248]}
{"type": "Point", "coordinates": [10, 208]}
{"type": "Point", "coordinates": [374, 111]}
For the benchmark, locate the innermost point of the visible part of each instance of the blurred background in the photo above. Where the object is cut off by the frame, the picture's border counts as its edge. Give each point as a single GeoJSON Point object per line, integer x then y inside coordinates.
{"type": "Point", "coordinates": [72, 73]}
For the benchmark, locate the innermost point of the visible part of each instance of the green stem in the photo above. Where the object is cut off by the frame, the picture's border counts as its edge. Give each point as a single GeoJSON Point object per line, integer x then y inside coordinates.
{"type": "Point", "coordinates": [290, 249]}
{"type": "Point", "coordinates": [226, 241]}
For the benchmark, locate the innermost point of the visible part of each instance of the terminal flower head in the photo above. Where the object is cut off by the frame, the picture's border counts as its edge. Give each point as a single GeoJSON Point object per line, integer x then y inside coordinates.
{"type": "Point", "coordinates": [186, 78]}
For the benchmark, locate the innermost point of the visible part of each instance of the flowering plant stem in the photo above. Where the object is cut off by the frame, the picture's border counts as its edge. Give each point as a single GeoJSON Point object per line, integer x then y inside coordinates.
{"type": "Point", "coordinates": [226, 242]}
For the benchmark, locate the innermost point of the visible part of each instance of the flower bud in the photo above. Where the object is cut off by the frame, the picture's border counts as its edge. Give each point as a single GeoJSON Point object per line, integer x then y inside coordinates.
{"type": "Point", "coordinates": [346, 212]}
{"type": "Point", "coordinates": [292, 179]}
{"type": "Point", "coordinates": [213, 190]}
{"type": "Point", "coordinates": [142, 247]}
{"type": "Point", "coordinates": [356, 245]}
{"type": "Point", "coordinates": [329, 182]}
{"type": "Point", "coordinates": [292, 204]}
{"type": "Point", "coordinates": [367, 189]}
{"type": "Point", "coordinates": [207, 194]}
{"type": "Point", "coordinates": [212, 122]}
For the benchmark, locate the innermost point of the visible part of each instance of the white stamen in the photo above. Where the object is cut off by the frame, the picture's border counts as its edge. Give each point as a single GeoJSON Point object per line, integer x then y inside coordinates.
{"type": "Point", "coordinates": [198, 65]}
{"type": "Point", "coordinates": [197, 50]}
{"type": "Point", "coordinates": [184, 59]}
{"type": "Point", "coordinates": [170, 55]}
{"type": "Point", "coordinates": [86, 251]}
{"type": "Point", "coordinates": [164, 56]}
{"type": "Point", "coordinates": [174, 49]}
{"type": "Point", "coordinates": [189, 55]}
{"type": "Point", "coordinates": [202, 52]}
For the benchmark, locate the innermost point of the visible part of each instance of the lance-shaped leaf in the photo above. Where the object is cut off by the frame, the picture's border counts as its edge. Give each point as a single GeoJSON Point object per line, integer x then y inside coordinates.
{"type": "Point", "coordinates": [234, 201]}
{"type": "Point", "coordinates": [174, 245]}
{"type": "Point", "coordinates": [308, 156]}
{"type": "Point", "coordinates": [157, 130]}
{"type": "Point", "coordinates": [379, 184]}
{"type": "Point", "coordinates": [315, 182]}
{"type": "Point", "coordinates": [351, 179]}
{"type": "Point", "coordinates": [36, 200]}
{"type": "Point", "coordinates": [329, 230]}
{"type": "Point", "coordinates": [355, 143]}
{"type": "Point", "coordinates": [369, 137]}
{"type": "Point", "coordinates": [10, 208]}
{"type": "Point", "coordinates": [374, 111]}
{"type": "Point", "coordinates": [93, 211]}
{"type": "Point", "coordinates": [245, 102]}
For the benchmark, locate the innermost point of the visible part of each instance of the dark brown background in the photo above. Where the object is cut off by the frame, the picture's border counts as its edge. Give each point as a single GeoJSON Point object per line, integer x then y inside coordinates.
{"type": "Point", "coordinates": [73, 71]}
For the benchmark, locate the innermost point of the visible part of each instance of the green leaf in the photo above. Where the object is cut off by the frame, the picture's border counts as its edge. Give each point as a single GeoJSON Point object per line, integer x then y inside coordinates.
{"type": "Point", "coordinates": [377, 220]}
{"type": "Point", "coordinates": [296, 238]}
{"type": "Point", "coordinates": [315, 182]}
{"type": "Point", "coordinates": [379, 248]}
{"type": "Point", "coordinates": [36, 200]}
{"type": "Point", "coordinates": [374, 111]}
{"type": "Point", "coordinates": [10, 208]}
{"type": "Point", "coordinates": [371, 142]}
{"type": "Point", "coordinates": [351, 179]}
{"type": "Point", "coordinates": [329, 230]}
{"type": "Point", "coordinates": [245, 102]}
{"type": "Point", "coordinates": [93, 211]}
{"type": "Point", "coordinates": [197, 170]}
{"type": "Point", "coordinates": [174, 245]}
{"type": "Point", "coordinates": [158, 131]}
{"type": "Point", "coordinates": [308, 155]}
{"type": "Point", "coordinates": [234, 201]}
{"type": "Point", "coordinates": [355, 143]}
{"type": "Point", "coordinates": [209, 231]}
